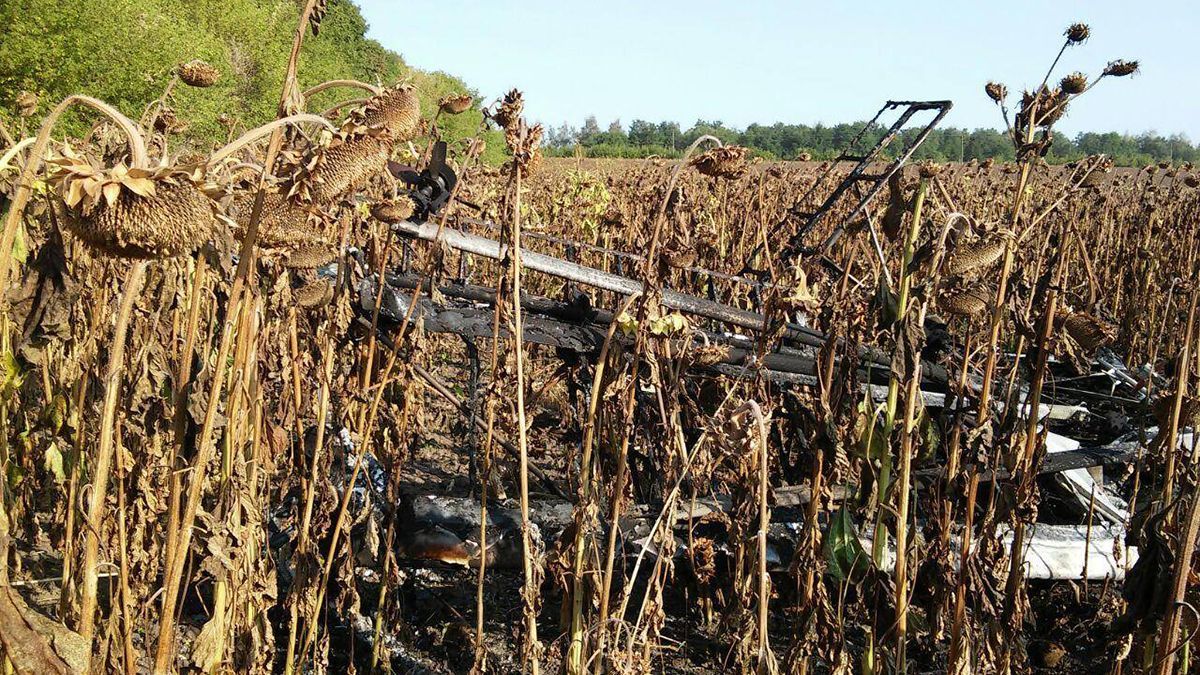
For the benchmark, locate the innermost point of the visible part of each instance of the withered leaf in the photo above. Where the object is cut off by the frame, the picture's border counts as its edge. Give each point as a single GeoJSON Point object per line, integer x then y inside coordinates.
{"type": "Point", "coordinates": [35, 643]}
{"type": "Point", "coordinates": [111, 192]}
{"type": "Point", "coordinates": [140, 186]}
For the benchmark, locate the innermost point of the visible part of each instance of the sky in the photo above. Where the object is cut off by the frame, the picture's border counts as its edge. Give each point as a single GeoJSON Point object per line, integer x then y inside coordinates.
{"type": "Point", "coordinates": [767, 61]}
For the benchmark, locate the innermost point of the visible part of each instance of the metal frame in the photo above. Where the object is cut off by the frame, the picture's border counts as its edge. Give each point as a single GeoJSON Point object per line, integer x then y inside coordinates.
{"type": "Point", "coordinates": [795, 245]}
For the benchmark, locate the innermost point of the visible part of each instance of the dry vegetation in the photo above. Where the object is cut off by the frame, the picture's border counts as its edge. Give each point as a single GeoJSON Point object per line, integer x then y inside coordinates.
{"type": "Point", "coordinates": [213, 443]}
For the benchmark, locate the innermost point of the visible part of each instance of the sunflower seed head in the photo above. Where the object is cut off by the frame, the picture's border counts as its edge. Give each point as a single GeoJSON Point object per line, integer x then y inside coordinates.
{"type": "Point", "coordinates": [197, 73]}
{"type": "Point", "coordinates": [728, 162]}
{"type": "Point", "coordinates": [996, 91]}
{"type": "Point", "coordinates": [455, 104]}
{"type": "Point", "coordinates": [392, 212]}
{"type": "Point", "coordinates": [978, 257]}
{"type": "Point", "coordinates": [395, 110]}
{"type": "Point", "coordinates": [314, 295]}
{"type": "Point", "coordinates": [970, 302]}
{"type": "Point", "coordinates": [1120, 68]}
{"type": "Point", "coordinates": [27, 103]}
{"type": "Point", "coordinates": [1077, 33]}
{"type": "Point", "coordinates": [1072, 84]}
{"type": "Point", "coordinates": [510, 109]}
{"type": "Point", "coordinates": [141, 214]}
{"type": "Point", "coordinates": [929, 169]}
{"type": "Point", "coordinates": [1088, 331]}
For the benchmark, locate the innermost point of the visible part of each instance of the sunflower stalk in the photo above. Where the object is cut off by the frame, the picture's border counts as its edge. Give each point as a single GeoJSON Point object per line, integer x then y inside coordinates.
{"type": "Point", "coordinates": [173, 576]}
{"type": "Point", "coordinates": [97, 506]}
{"type": "Point", "coordinates": [891, 407]}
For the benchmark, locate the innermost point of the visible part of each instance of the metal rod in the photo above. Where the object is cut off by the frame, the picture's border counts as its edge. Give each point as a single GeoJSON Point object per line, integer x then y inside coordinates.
{"type": "Point", "coordinates": [709, 309]}
{"type": "Point", "coordinates": [590, 276]}
{"type": "Point", "coordinates": [542, 236]}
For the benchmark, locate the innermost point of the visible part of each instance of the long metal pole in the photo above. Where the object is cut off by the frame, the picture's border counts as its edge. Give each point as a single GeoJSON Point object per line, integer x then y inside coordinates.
{"type": "Point", "coordinates": [490, 248]}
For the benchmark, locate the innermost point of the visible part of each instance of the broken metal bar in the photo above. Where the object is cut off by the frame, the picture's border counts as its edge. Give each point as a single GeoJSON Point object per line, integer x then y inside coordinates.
{"type": "Point", "coordinates": [578, 337]}
{"type": "Point", "coordinates": [580, 328]}
{"type": "Point", "coordinates": [533, 234]}
{"type": "Point", "coordinates": [442, 530]}
{"type": "Point", "coordinates": [810, 217]}
{"type": "Point", "coordinates": [709, 309]}
{"type": "Point", "coordinates": [1083, 458]}
{"type": "Point", "coordinates": [912, 107]}
{"type": "Point", "coordinates": [590, 276]}
{"type": "Point", "coordinates": [787, 505]}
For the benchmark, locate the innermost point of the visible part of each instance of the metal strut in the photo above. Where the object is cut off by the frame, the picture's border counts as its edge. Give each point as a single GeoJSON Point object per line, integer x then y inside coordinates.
{"type": "Point", "coordinates": [855, 179]}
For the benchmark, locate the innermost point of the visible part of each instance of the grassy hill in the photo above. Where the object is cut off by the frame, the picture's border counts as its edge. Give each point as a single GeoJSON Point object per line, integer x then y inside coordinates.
{"type": "Point", "coordinates": [124, 52]}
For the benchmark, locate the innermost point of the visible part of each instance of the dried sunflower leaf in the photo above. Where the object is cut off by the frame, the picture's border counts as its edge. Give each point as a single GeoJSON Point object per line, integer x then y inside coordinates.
{"type": "Point", "coordinates": [140, 186]}
{"type": "Point", "coordinates": [74, 193]}
{"type": "Point", "coordinates": [111, 192]}
{"type": "Point", "coordinates": [34, 643]}
{"type": "Point", "coordinates": [209, 645]}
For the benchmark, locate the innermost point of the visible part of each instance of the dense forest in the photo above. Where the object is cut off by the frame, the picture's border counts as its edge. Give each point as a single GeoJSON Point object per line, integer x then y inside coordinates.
{"type": "Point", "coordinates": [795, 141]}
{"type": "Point", "coordinates": [125, 52]}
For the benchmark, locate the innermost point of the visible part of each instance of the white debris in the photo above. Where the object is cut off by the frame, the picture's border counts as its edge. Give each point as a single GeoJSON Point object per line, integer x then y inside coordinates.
{"type": "Point", "coordinates": [1056, 552]}
{"type": "Point", "coordinates": [1065, 552]}
{"type": "Point", "coordinates": [1082, 484]}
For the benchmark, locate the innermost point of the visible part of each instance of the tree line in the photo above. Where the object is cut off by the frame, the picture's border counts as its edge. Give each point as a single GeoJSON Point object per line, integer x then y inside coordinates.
{"type": "Point", "coordinates": [819, 142]}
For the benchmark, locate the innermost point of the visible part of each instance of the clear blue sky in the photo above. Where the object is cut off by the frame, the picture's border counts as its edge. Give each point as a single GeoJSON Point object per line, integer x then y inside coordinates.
{"type": "Point", "coordinates": [803, 62]}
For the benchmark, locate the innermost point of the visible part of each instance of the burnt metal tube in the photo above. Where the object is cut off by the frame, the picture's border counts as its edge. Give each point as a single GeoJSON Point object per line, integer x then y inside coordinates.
{"type": "Point", "coordinates": [709, 309]}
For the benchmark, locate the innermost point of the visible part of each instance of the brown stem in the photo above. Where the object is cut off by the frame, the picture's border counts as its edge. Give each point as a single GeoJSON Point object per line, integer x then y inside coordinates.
{"type": "Point", "coordinates": [530, 590]}
{"type": "Point", "coordinates": [257, 133]}
{"type": "Point", "coordinates": [587, 490]}
{"type": "Point", "coordinates": [129, 662]}
{"type": "Point", "coordinates": [183, 384]}
{"type": "Point", "coordinates": [104, 453]}
{"type": "Point", "coordinates": [173, 578]}
{"type": "Point", "coordinates": [352, 84]}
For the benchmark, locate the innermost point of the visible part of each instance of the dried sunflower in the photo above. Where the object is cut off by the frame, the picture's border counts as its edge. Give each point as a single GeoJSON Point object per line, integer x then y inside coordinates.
{"type": "Point", "coordinates": [969, 302]}
{"type": "Point", "coordinates": [455, 104]}
{"type": "Point", "coordinates": [996, 91]}
{"type": "Point", "coordinates": [134, 212]}
{"type": "Point", "coordinates": [311, 255]}
{"type": "Point", "coordinates": [510, 109]}
{"type": "Point", "coordinates": [1045, 108]}
{"type": "Point", "coordinates": [315, 294]}
{"type": "Point", "coordinates": [979, 256]}
{"type": "Point", "coordinates": [27, 103]}
{"type": "Point", "coordinates": [197, 73]}
{"type": "Point", "coordinates": [344, 162]}
{"type": "Point", "coordinates": [1120, 68]}
{"type": "Point", "coordinates": [728, 162]}
{"type": "Point", "coordinates": [525, 144]}
{"type": "Point", "coordinates": [1088, 330]}
{"type": "Point", "coordinates": [283, 227]}
{"type": "Point", "coordinates": [1077, 33]}
{"type": "Point", "coordinates": [1075, 83]}
{"type": "Point", "coordinates": [167, 122]}
{"type": "Point", "coordinates": [392, 212]}
{"type": "Point", "coordinates": [396, 110]}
